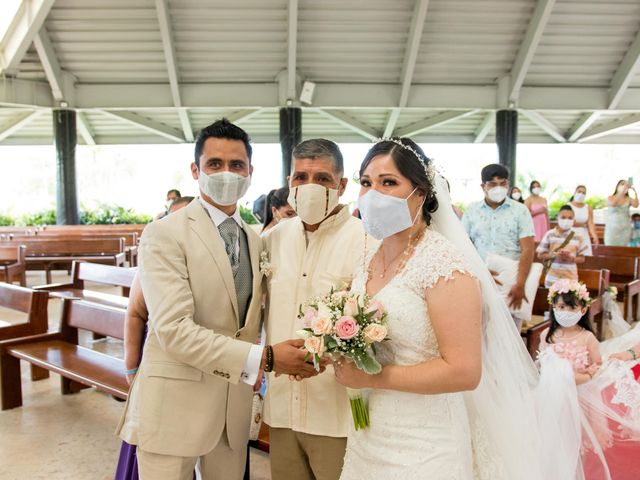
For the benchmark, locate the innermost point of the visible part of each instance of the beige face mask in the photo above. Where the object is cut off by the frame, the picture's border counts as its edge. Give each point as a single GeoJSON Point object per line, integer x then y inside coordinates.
{"type": "Point", "coordinates": [312, 202]}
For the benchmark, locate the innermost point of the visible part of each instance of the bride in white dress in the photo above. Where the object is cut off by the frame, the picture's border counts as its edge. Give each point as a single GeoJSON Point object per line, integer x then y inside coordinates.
{"type": "Point", "coordinates": [454, 398]}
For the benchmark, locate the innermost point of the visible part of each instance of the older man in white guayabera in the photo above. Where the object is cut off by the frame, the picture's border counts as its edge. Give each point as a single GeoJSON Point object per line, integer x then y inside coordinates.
{"type": "Point", "coordinates": [308, 255]}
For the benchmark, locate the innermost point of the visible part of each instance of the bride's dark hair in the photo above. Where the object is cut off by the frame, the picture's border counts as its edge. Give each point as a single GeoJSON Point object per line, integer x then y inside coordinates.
{"type": "Point", "coordinates": [411, 166]}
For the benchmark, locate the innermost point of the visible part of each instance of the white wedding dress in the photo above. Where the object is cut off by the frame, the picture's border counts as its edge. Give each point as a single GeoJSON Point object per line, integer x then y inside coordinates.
{"type": "Point", "coordinates": [412, 436]}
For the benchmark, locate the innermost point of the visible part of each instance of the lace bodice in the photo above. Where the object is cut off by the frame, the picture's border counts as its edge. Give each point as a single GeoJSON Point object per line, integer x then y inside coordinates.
{"type": "Point", "coordinates": [412, 339]}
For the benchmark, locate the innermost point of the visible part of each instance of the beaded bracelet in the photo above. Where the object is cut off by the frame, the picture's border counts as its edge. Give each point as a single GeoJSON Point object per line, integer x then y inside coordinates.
{"type": "Point", "coordinates": [633, 353]}
{"type": "Point", "coordinates": [268, 364]}
{"type": "Point", "coordinates": [131, 371]}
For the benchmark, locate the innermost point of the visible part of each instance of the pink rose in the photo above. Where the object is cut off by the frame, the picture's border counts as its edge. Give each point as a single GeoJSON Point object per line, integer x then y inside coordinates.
{"type": "Point", "coordinates": [339, 294]}
{"type": "Point", "coordinates": [322, 326]}
{"type": "Point", "coordinates": [347, 327]}
{"type": "Point", "coordinates": [375, 333]}
{"type": "Point", "coordinates": [309, 316]}
{"type": "Point", "coordinates": [351, 307]}
{"type": "Point", "coordinates": [314, 345]}
{"type": "Point", "coordinates": [377, 307]}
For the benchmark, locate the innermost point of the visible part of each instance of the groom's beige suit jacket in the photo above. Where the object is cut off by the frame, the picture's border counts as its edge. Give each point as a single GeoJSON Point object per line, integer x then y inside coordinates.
{"type": "Point", "coordinates": [188, 387]}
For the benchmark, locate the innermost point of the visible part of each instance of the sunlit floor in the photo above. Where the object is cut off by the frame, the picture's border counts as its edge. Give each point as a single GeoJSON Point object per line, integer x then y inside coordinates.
{"type": "Point", "coordinates": [72, 436]}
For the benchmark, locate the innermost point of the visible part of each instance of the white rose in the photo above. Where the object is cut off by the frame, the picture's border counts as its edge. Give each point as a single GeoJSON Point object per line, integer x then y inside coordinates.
{"type": "Point", "coordinates": [323, 310]}
{"type": "Point", "coordinates": [314, 345]}
{"type": "Point", "coordinates": [351, 307]}
{"type": "Point", "coordinates": [375, 333]}
{"type": "Point", "coordinates": [322, 326]}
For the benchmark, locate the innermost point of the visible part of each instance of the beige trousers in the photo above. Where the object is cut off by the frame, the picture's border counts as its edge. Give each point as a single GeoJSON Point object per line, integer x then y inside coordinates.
{"type": "Point", "coordinates": [302, 456]}
{"type": "Point", "coordinates": [221, 463]}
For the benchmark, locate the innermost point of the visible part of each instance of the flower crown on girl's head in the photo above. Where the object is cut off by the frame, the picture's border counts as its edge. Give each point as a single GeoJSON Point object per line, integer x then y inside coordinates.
{"type": "Point", "coordinates": [577, 289]}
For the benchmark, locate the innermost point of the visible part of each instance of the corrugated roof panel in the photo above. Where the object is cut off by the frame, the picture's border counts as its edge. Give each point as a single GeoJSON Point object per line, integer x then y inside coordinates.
{"type": "Point", "coordinates": [584, 42]}
{"type": "Point", "coordinates": [470, 42]}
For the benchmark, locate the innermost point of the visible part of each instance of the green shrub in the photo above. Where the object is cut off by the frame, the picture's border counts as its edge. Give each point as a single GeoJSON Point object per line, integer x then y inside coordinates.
{"type": "Point", "coordinates": [247, 216]}
{"type": "Point", "coordinates": [6, 220]}
{"type": "Point", "coordinates": [104, 215]}
{"type": "Point", "coordinates": [596, 202]}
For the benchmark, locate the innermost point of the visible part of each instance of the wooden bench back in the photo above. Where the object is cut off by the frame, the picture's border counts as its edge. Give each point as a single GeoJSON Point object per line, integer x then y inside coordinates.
{"type": "Point", "coordinates": [12, 254]}
{"type": "Point", "coordinates": [33, 303]}
{"type": "Point", "coordinates": [93, 317]}
{"type": "Point", "coordinates": [621, 268]}
{"type": "Point", "coordinates": [130, 238]}
{"type": "Point", "coordinates": [596, 281]}
{"type": "Point", "coordinates": [104, 274]}
{"type": "Point", "coordinates": [89, 229]}
{"type": "Point", "coordinates": [40, 247]}
{"type": "Point", "coordinates": [613, 251]}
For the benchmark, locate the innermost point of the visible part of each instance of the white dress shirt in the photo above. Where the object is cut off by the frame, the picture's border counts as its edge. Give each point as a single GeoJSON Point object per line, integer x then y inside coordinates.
{"type": "Point", "coordinates": [252, 365]}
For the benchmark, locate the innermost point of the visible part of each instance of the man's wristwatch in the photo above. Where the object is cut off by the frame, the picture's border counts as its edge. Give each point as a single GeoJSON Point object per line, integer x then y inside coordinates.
{"type": "Point", "coordinates": [268, 364]}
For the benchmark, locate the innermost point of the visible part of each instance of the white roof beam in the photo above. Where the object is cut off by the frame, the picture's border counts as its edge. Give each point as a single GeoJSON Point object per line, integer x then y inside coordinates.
{"type": "Point", "coordinates": [433, 122]}
{"type": "Point", "coordinates": [50, 63]}
{"type": "Point", "coordinates": [625, 73]}
{"type": "Point", "coordinates": [292, 51]}
{"type": "Point", "coordinates": [611, 127]}
{"type": "Point", "coordinates": [84, 129]}
{"type": "Point", "coordinates": [168, 45]}
{"type": "Point", "coordinates": [21, 32]}
{"type": "Point", "coordinates": [545, 125]}
{"type": "Point", "coordinates": [18, 123]}
{"type": "Point", "coordinates": [528, 47]}
{"type": "Point", "coordinates": [147, 124]}
{"type": "Point", "coordinates": [582, 125]}
{"type": "Point", "coordinates": [351, 123]}
{"type": "Point", "coordinates": [484, 128]}
{"type": "Point", "coordinates": [409, 62]}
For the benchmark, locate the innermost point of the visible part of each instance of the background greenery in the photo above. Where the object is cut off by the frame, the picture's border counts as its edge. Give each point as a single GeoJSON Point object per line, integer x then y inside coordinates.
{"type": "Point", "coordinates": [104, 215]}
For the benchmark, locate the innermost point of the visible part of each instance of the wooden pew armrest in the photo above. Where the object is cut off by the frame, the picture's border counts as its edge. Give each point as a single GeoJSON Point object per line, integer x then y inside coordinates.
{"type": "Point", "coordinates": [52, 287]}
{"type": "Point", "coordinates": [632, 288]}
{"type": "Point", "coordinates": [5, 344]}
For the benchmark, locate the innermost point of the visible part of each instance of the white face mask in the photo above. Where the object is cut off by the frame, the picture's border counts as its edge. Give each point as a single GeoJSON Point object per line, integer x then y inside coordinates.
{"type": "Point", "coordinates": [516, 196]}
{"type": "Point", "coordinates": [579, 197]}
{"type": "Point", "coordinates": [312, 202]}
{"type": "Point", "coordinates": [385, 215]}
{"type": "Point", "coordinates": [567, 318]}
{"type": "Point", "coordinates": [565, 223]}
{"type": "Point", "coordinates": [536, 190]}
{"type": "Point", "coordinates": [167, 204]}
{"type": "Point", "coordinates": [224, 188]}
{"type": "Point", "coordinates": [621, 189]}
{"type": "Point", "coordinates": [497, 194]}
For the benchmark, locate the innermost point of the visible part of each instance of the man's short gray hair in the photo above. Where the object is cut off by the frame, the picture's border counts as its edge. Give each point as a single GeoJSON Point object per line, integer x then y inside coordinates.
{"type": "Point", "coordinates": [320, 148]}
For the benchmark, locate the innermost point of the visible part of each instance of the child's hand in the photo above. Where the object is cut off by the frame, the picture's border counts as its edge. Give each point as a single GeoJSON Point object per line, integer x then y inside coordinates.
{"type": "Point", "coordinates": [593, 369]}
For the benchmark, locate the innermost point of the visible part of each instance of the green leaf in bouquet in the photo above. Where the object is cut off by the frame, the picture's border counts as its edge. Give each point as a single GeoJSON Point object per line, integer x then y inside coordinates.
{"type": "Point", "coordinates": [330, 343]}
{"type": "Point", "coordinates": [307, 357]}
{"type": "Point", "coordinates": [367, 364]}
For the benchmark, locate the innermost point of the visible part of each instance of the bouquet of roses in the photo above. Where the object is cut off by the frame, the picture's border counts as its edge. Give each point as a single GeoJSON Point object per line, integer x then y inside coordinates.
{"type": "Point", "coordinates": [342, 323]}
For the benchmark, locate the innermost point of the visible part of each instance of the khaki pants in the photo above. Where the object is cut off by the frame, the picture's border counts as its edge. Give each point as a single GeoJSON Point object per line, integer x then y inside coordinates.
{"type": "Point", "coordinates": [302, 456]}
{"type": "Point", "coordinates": [221, 463]}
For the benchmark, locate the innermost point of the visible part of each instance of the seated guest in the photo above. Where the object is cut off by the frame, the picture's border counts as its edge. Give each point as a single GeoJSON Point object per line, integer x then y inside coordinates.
{"type": "Point", "coordinates": [172, 195]}
{"type": "Point", "coordinates": [277, 209]}
{"type": "Point", "coordinates": [179, 203]}
{"type": "Point", "coordinates": [502, 226]}
{"type": "Point", "coordinates": [561, 251]}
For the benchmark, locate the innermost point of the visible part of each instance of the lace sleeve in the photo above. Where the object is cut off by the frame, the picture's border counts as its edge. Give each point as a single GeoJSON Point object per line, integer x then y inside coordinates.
{"type": "Point", "coordinates": [434, 258]}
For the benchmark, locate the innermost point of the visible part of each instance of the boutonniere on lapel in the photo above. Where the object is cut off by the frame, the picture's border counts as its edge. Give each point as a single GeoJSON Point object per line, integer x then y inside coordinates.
{"type": "Point", "coordinates": [265, 265]}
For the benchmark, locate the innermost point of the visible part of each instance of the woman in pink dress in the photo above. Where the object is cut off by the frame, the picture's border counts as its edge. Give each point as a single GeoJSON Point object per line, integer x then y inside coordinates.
{"type": "Point", "coordinates": [539, 209]}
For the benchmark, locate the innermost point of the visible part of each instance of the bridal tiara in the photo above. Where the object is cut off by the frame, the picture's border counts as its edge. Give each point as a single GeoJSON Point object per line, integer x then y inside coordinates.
{"type": "Point", "coordinates": [426, 163]}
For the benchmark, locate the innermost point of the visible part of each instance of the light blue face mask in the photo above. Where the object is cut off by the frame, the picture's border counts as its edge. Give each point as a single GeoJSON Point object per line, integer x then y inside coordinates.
{"type": "Point", "coordinates": [385, 215]}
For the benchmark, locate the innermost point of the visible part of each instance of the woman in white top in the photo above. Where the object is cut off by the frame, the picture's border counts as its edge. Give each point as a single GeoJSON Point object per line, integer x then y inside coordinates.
{"type": "Point", "coordinates": [584, 224]}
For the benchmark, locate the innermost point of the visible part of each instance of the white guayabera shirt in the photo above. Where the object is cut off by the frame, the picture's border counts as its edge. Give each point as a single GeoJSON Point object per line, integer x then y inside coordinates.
{"type": "Point", "coordinates": [300, 271]}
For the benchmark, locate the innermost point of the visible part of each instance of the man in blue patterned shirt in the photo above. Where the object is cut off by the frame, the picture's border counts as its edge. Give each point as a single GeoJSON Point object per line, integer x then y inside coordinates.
{"type": "Point", "coordinates": [502, 226]}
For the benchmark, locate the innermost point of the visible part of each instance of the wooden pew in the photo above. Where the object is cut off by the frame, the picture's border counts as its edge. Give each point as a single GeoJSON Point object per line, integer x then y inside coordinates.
{"type": "Point", "coordinates": [35, 305]}
{"type": "Point", "coordinates": [44, 254]}
{"type": "Point", "coordinates": [82, 272]}
{"type": "Point", "coordinates": [59, 352]}
{"type": "Point", "coordinates": [131, 240]}
{"type": "Point", "coordinates": [625, 276]}
{"type": "Point", "coordinates": [614, 251]}
{"type": "Point", "coordinates": [13, 265]}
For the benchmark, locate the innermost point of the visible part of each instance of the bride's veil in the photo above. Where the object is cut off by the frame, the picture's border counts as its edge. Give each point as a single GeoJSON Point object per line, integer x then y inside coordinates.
{"type": "Point", "coordinates": [502, 408]}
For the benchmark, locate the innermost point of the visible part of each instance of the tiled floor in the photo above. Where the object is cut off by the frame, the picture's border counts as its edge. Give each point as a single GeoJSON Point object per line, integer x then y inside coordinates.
{"type": "Point", "coordinates": [67, 437]}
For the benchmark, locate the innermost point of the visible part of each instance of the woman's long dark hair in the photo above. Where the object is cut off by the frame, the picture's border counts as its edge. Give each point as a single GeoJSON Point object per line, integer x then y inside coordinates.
{"type": "Point", "coordinates": [571, 300]}
{"type": "Point", "coordinates": [511, 193]}
{"type": "Point", "coordinates": [277, 198]}
{"type": "Point", "coordinates": [617, 185]}
{"type": "Point", "coordinates": [410, 167]}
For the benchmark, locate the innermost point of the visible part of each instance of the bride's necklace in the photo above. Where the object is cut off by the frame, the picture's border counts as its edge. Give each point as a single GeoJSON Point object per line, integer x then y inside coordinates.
{"type": "Point", "coordinates": [406, 254]}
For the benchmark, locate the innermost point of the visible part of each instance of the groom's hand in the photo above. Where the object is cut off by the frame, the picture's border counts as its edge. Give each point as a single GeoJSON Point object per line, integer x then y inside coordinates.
{"type": "Point", "coordinates": [288, 358]}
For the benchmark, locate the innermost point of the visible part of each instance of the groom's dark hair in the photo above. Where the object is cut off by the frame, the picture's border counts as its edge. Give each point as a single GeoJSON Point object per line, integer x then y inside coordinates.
{"type": "Point", "coordinates": [222, 128]}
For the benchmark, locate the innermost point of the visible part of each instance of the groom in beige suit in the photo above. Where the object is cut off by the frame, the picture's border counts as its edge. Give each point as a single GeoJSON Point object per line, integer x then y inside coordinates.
{"type": "Point", "coordinates": [199, 271]}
